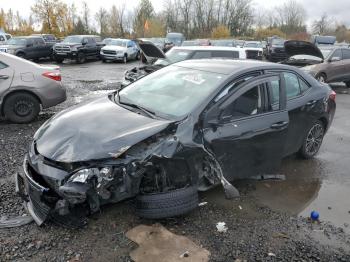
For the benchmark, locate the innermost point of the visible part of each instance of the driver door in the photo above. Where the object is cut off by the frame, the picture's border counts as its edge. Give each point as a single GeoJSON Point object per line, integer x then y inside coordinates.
{"type": "Point", "coordinates": [247, 130]}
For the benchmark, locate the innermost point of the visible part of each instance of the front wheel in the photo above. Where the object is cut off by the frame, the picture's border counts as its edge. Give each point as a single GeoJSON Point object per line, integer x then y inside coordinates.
{"type": "Point", "coordinates": [21, 108]}
{"type": "Point", "coordinates": [167, 204]}
{"type": "Point", "coordinates": [313, 140]}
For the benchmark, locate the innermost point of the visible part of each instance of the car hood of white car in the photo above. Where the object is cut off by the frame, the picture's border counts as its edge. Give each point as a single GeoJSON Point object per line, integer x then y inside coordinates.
{"type": "Point", "coordinates": [114, 48]}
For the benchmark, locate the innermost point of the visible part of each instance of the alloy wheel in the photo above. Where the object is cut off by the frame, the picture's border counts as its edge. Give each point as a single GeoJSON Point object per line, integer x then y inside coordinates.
{"type": "Point", "coordinates": [314, 139]}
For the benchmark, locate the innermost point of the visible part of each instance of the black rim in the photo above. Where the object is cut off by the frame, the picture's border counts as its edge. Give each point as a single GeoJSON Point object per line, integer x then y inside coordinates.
{"type": "Point", "coordinates": [314, 139]}
{"type": "Point", "coordinates": [23, 108]}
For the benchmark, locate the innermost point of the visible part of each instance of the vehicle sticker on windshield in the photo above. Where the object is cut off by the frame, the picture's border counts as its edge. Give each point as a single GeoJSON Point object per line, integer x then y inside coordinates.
{"type": "Point", "coordinates": [194, 78]}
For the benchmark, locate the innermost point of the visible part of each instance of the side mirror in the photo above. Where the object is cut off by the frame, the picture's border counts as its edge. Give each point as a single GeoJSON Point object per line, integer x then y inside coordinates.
{"type": "Point", "coordinates": [335, 59]}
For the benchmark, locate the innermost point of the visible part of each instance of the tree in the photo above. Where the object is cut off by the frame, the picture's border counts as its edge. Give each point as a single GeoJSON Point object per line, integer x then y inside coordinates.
{"type": "Point", "coordinates": [102, 19]}
{"type": "Point", "coordinates": [86, 15]}
{"type": "Point", "coordinates": [263, 33]}
{"type": "Point", "coordinates": [220, 31]}
{"type": "Point", "coordinates": [322, 26]}
{"type": "Point", "coordinates": [291, 17]}
{"type": "Point", "coordinates": [143, 14]}
{"type": "Point", "coordinates": [79, 28]}
{"type": "Point", "coordinates": [52, 15]}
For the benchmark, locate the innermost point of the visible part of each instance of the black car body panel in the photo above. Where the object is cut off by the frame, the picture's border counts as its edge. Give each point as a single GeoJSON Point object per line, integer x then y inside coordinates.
{"type": "Point", "coordinates": [201, 149]}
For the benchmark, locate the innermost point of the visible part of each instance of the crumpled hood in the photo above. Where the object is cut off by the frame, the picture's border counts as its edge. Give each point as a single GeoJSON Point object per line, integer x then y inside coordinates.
{"type": "Point", "coordinates": [114, 48]}
{"type": "Point", "coordinates": [94, 130]}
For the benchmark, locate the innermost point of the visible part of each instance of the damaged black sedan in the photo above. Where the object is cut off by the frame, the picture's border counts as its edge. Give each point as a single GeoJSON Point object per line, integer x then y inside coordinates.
{"type": "Point", "coordinates": [182, 129]}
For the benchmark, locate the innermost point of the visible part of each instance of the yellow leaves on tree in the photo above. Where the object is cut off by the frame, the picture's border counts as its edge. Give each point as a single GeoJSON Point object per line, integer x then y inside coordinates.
{"type": "Point", "coordinates": [154, 28]}
{"type": "Point", "coordinates": [263, 33]}
{"type": "Point", "coordinates": [220, 31]}
{"type": "Point", "coordinates": [54, 16]}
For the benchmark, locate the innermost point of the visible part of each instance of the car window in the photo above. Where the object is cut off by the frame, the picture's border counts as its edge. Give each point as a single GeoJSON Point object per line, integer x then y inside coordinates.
{"type": "Point", "coordinates": [303, 85]}
{"type": "Point", "coordinates": [39, 41]}
{"type": "Point", "coordinates": [201, 55]}
{"type": "Point", "coordinates": [91, 40]}
{"type": "Point", "coordinates": [292, 85]}
{"type": "Point", "coordinates": [248, 104]}
{"type": "Point", "coordinates": [8, 37]}
{"type": "Point", "coordinates": [2, 65]}
{"type": "Point", "coordinates": [240, 80]}
{"type": "Point", "coordinates": [225, 54]}
{"type": "Point", "coordinates": [337, 53]}
{"type": "Point", "coordinates": [2, 38]}
{"type": "Point", "coordinates": [274, 93]}
{"type": "Point", "coordinates": [30, 41]}
{"type": "Point", "coordinates": [346, 54]}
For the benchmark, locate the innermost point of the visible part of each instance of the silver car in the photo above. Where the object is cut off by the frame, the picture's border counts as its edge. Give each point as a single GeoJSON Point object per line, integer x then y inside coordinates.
{"type": "Point", "coordinates": [26, 87]}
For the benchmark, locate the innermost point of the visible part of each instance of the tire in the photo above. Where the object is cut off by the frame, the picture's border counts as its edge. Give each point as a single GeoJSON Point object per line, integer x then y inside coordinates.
{"type": "Point", "coordinates": [125, 59]}
{"type": "Point", "coordinates": [313, 140]}
{"type": "Point", "coordinates": [21, 55]}
{"type": "Point", "coordinates": [81, 58]}
{"type": "Point", "coordinates": [21, 108]}
{"type": "Point", "coordinates": [169, 204]}
{"type": "Point", "coordinates": [104, 60]}
{"type": "Point", "coordinates": [59, 60]}
{"type": "Point", "coordinates": [322, 78]}
{"type": "Point", "coordinates": [347, 83]}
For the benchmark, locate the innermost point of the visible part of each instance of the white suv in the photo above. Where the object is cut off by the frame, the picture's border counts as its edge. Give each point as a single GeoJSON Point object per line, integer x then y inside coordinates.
{"type": "Point", "coordinates": [119, 49]}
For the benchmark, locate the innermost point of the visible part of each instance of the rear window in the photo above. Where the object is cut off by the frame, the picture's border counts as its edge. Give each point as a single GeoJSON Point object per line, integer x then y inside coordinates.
{"type": "Point", "coordinates": [2, 38]}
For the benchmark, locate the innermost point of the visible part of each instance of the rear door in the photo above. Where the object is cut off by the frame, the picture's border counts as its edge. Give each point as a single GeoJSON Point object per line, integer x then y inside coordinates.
{"type": "Point", "coordinates": [6, 76]}
{"type": "Point", "coordinates": [247, 131]}
{"type": "Point", "coordinates": [336, 69]}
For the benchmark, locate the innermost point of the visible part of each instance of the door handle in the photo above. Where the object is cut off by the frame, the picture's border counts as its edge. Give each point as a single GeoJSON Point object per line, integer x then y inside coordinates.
{"type": "Point", "coordinates": [311, 103]}
{"type": "Point", "coordinates": [279, 125]}
{"type": "Point", "coordinates": [4, 77]}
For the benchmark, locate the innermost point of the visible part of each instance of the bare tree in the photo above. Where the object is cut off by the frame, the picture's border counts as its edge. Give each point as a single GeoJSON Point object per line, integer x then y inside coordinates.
{"type": "Point", "coordinates": [86, 15]}
{"type": "Point", "coordinates": [102, 20]}
{"type": "Point", "coordinates": [322, 26]}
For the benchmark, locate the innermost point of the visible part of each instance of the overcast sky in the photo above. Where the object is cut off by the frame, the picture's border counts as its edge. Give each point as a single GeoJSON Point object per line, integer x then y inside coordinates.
{"type": "Point", "coordinates": [337, 9]}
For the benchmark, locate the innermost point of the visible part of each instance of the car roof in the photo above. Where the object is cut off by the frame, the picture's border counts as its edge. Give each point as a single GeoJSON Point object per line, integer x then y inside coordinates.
{"type": "Point", "coordinates": [206, 48]}
{"type": "Point", "coordinates": [229, 66]}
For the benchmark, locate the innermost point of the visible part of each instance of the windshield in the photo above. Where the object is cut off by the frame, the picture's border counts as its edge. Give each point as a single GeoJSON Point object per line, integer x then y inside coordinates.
{"type": "Point", "coordinates": [254, 45]}
{"type": "Point", "coordinates": [172, 91]}
{"type": "Point", "coordinates": [17, 41]}
{"type": "Point", "coordinates": [118, 43]}
{"type": "Point", "coordinates": [73, 39]}
{"type": "Point", "coordinates": [326, 52]}
{"type": "Point", "coordinates": [174, 56]}
{"type": "Point", "coordinates": [175, 40]}
{"type": "Point", "coordinates": [278, 42]}
{"type": "Point", "coordinates": [222, 43]}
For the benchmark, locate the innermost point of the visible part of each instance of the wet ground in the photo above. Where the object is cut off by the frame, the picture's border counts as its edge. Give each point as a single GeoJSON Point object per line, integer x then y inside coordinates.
{"type": "Point", "coordinates": [270, 217]}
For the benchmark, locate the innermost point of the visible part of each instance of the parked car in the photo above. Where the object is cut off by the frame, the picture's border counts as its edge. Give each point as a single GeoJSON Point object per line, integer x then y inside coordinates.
{"type": "Point", "coordinates": [4, 38]}
{"type": "Point", "coordinates": [275, 50]}
{"type": "Point", "coordinates": [25, 87]}
{"type": "Point", "coordinates": [189, 126]}
{"type": "Point", "coordinates": [78, 47]}
{"type": "Point", "coordinates": [28, 47]}
{"type": "Point", "coordinates": [176, 54]}
{"type": "Point", "coordinates": [223, 42]}
{"type": "Point", "coordinates": [120, 50]}
{"type": "Point", "coordinates": [328, 64]}
{"type": "Point", "coordinates": [173, 39]}
{"type": "Point", "coordinates": [253, 49]}
{"type": "Point", "coordinates": [323, 40]}
{"type": "Point", "coordinates": [239, 43]}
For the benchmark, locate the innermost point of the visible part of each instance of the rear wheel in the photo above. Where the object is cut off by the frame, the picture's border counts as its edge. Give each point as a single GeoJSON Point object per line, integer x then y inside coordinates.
{"type": "Point", "coordinates": [81, 58]}
{"type": "Point", "coordinates": [21, 55]}
{"type": "Point", "coordinates": [21, 108]}
{"type": "Point", "coordinates": [313, 140]}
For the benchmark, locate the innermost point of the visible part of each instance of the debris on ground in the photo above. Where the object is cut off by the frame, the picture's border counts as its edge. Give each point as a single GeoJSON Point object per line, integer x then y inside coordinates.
{"type": "Point", "coordinates": [157, 244]}
{"type": "Point", "coordinates": [221, 227]}
{"type": "Point", "coordinates": [202, 204]}
{"type": "Point", "coordinates": [7, 222]}
{"type": "Point", "coordinates": [270, 254]}
{"type": "Point", "coordinates": [314, 216]}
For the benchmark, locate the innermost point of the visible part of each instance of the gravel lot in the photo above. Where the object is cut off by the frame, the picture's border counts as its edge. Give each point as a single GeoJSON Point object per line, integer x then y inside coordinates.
{"type": "Point", "coordinates": [270, 216]}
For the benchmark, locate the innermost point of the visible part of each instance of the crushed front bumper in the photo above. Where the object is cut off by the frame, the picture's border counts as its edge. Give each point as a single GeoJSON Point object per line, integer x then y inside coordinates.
{"type": "Point", "coordinates": [31, 192]}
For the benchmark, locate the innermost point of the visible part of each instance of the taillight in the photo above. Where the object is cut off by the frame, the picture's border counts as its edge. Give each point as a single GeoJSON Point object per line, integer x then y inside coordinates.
{"type": "Point", "coordinates": [53, 75]}
{"type": "Point", "coordinates": [332, 95]}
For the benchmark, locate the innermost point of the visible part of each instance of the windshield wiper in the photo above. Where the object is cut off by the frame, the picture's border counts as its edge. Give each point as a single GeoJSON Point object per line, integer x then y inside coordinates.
{"type": "Point", "coordinates": [142, 109]}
